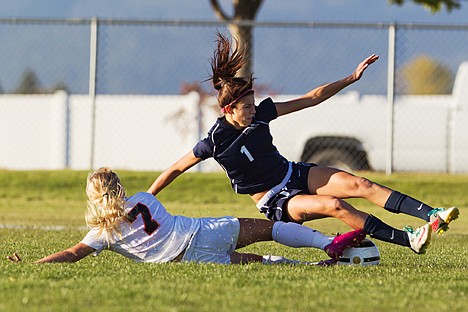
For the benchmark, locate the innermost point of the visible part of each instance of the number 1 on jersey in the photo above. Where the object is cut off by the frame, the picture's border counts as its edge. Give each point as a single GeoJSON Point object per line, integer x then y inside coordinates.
{"type": "Point", "coordinates": [245, 151]}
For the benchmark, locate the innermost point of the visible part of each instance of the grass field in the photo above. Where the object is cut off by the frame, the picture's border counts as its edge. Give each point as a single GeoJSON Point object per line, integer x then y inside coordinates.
{"type": "Point", "coordinates": [42, 212]}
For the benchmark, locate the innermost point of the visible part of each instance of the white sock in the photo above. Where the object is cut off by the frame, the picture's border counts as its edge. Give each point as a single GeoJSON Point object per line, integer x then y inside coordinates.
{"type": "Point", "coordinates": [295, 235]}
{"type": "Point", "coordinates": [269, 259]}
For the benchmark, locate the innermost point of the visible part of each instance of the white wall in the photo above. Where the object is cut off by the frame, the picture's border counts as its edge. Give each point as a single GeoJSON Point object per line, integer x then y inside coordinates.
{"type": "Point", "coordinates": [152, 132]}
{"type": "Point", "coordinates": [132, 132]}
{"type": "Point", "coordinates": [31, 131]}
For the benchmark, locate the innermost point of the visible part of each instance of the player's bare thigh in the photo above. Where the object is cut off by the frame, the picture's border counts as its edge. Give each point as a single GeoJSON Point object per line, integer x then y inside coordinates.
{"type": "Point", "coordinates": [341, 184]}
{"type": "Point", "coordinates": [304, 207]}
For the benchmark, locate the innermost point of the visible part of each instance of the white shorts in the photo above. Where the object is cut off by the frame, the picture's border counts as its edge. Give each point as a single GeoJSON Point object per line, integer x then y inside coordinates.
{"type": "Point", "coordinates": [214, 242]}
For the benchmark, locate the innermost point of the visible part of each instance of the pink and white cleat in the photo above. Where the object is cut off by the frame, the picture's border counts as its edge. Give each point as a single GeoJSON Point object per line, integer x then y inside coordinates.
{"type": "Point", "coordinates": [336, 248]}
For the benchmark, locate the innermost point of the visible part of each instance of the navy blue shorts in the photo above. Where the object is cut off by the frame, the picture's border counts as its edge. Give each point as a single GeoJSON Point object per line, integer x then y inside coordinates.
{"type": "Point", "coordinates": [276, 208]}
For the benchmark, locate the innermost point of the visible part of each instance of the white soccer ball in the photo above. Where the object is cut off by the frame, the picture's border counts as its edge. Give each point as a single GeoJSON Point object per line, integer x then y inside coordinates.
{"type": "Point", "coordinates": [364, 254]}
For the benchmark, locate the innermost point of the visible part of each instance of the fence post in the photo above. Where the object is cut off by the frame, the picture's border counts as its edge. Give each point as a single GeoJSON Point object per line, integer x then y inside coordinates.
{"type": "Point", "coordinates": [67, 131]}
{"type": "Point", "coordinates": [390, 97]}
{"type": "Point", "coordinates": [93, 46]}
{"type": "Point", "coordinates": [59, 130]}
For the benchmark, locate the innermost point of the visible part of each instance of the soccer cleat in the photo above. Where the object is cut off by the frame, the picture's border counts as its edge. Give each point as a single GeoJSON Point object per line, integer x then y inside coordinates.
{"type": "Point", "coordinates": [440, 218]}
{"type": "Point", "coordinates": [419, 238]}
{"type": "Point", "coordinates": [336, 248]}
{"type": "Point", "coordinates": [328, 262]}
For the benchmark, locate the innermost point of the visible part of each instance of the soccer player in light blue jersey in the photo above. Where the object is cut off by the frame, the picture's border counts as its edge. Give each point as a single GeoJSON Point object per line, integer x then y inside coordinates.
{"type": "Point", "coordinates": [140, 228]}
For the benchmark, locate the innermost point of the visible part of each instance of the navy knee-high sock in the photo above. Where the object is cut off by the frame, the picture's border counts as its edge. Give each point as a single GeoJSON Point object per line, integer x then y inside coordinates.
{"type": "Point", "coordinates": [398, 202]}
{"type": "Point", "coordinates": [376, 228]}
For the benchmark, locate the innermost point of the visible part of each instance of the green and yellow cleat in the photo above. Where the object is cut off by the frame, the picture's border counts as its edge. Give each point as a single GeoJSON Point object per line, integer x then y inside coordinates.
{"type": "Point", "coordinates": [440, 218]}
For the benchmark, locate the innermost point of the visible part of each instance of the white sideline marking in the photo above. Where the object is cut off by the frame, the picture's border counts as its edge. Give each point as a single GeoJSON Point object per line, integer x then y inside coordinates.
{"type": "Point", "coordinates": [44, 228]}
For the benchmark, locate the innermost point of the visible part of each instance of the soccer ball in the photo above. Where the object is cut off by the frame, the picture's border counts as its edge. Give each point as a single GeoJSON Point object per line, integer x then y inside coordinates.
{"type": "Point", "coordinates": [364, 254]}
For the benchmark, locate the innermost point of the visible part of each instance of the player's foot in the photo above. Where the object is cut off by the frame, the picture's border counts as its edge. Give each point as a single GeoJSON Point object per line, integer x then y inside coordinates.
{"type": "Point", "coordinates": [270, 259]}
{"type": "Point", "coordinates": [419, 238]}
{"type": "Point", "coordinates": [341, 242]}
{"type": "Point", "coordinates": [440, 218]}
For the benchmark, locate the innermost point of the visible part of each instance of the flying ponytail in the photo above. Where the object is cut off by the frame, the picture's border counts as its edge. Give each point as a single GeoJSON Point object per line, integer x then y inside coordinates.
{"type": "Point", "coordinates": [224, 66]}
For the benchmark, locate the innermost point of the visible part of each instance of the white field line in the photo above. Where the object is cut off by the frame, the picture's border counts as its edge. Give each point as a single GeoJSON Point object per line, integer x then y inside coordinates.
{"type": "Point", "coordinates": [43, 228]}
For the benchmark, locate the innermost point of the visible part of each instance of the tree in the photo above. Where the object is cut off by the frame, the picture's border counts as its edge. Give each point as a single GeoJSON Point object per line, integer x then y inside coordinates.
{"type": "Point", "coordinates": [246, 10]}
{"type": "Point", "coordinates": [425, 75]}
{"type": "Point", "coordinates": [29, 83]}
{"type": "Point", "coordinates": [243, 10]}
{"type": "Point", "coordinates": [433, 5]}
{"type": "Point", "coordinates": [60, 86]}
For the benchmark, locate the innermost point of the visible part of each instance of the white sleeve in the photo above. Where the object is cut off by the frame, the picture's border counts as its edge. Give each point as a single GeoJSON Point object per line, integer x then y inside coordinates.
{"type": "Point", "coordinates": [93, 240]}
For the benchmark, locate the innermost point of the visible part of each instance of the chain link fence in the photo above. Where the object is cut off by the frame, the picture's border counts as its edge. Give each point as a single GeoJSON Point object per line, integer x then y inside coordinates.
{"type": "Point", "coordinates": [401, 116]}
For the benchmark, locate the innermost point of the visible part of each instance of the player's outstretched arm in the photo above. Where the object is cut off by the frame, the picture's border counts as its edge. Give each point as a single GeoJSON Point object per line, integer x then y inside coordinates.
{"type": "Point", "coordinates": [72, 254]}
{"type": "Point", "coordinates": [322, 93]}
{"type": "Point", "coordinates": [165, 178]}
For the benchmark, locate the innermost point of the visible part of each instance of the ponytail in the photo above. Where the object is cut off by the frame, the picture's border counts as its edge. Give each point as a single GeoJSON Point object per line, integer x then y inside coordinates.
{"type": "Point", "coordinates": [224, 66]}
{"type": "Point", "coordinates": [106, 203]}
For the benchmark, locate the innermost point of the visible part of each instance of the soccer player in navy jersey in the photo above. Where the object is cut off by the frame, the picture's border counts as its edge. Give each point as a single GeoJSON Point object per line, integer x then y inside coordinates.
{"type": "Point", "coordinates": [242, 144]}
{"type": "Point", "coordinates": [140, 228]}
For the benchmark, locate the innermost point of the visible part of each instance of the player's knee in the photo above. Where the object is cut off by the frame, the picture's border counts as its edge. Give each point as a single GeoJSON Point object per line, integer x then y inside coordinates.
{"type": "Point", "coordinates": [335, 206]}
{"type": "Point", "coordinates": [363, 185]}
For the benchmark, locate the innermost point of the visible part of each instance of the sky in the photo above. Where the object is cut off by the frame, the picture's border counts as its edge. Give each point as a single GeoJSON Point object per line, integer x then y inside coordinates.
{"type": "Point", "coordinates": [29, 48]}
{"type": "Point", "coordinates": [271, 10]}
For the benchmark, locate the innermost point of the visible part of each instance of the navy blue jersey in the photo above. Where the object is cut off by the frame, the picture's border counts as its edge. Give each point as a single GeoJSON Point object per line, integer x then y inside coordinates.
{"type": "Point", "coordinates": [247, 155]}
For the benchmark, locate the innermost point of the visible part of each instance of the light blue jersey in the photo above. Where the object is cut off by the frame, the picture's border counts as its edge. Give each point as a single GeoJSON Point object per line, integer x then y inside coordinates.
{"type": "Point", "coordinates": [154, 235]}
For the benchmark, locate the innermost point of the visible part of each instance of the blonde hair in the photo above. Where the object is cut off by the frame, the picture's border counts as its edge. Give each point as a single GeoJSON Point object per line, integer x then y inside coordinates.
{"type": "Point", "coordinates": [106, 203]}
{"type": "Point", "coordinates": [225, 64]}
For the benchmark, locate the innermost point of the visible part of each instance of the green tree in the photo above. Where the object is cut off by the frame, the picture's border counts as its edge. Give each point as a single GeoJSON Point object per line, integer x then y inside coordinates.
{"type": "Point", "coordinates": [243, 10]}
{"type": "Point", "coordinates": [29, 84]}
{"type": "Point", "coordinates": [433, 5]}
{"type": "Point", "coordinates": [425, 75]}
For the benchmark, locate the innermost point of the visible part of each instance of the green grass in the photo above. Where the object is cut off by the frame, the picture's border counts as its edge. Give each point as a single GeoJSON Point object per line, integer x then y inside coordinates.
{"type": "Point", "coordinates": [437, 281]}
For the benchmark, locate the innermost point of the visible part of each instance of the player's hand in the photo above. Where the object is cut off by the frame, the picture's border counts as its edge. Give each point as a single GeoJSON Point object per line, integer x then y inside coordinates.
{"type": "Point", "coordinates": [14, 258]}
{"type": "Point", "coordinates": [363, 66]}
